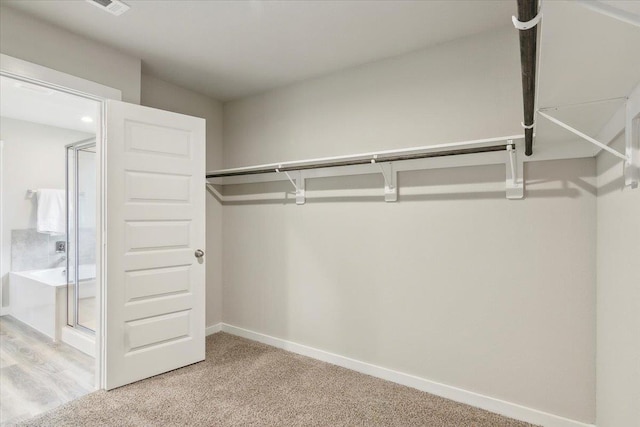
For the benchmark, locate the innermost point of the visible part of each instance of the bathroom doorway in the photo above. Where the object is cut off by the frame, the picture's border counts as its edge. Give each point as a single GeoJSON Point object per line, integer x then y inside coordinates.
{"type": "Point", "coordinates": [152, 310]}
{"type": "Point", "coordinates": [48, 242]}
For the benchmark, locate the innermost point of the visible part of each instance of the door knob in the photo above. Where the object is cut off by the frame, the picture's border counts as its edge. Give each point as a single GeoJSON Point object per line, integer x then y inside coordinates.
{"type": "Point", "coordinates": [199, 253]}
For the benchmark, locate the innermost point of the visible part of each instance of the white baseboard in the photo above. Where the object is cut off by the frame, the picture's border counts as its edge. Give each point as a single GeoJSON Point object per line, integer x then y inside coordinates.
{"type": "Point", "coordinates": [213, 329]}
{"type": "Point", "coordinates": [488, 403]}
{"type": "Point", "coordinates": [4, 311]}
{"type": "Point", "coordinates": [79, 340]}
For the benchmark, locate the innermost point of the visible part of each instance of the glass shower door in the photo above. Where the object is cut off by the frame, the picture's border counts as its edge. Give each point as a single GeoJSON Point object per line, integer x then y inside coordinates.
{"type": "Point", "coordinates": [71, 236]}
{"type": "Point", "coordinates": [81, 235]}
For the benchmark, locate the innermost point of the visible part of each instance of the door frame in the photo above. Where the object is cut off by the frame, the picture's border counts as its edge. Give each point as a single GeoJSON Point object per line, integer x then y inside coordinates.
{"type": "Point", "coordinates": [43, 76]}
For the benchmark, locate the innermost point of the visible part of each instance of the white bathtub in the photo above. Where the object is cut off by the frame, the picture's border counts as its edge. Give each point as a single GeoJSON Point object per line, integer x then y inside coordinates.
{"type": "Point", "coordinates": [39, 297]}
{"type": "Point", "coordinates": [52, 277]}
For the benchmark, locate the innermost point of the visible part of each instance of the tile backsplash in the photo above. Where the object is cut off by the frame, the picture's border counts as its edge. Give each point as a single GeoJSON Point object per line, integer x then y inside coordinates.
{"type": "Point", "coordinates": [31, 250]}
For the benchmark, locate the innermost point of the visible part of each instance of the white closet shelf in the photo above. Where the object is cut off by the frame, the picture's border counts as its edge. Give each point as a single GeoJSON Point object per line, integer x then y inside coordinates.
{"type": "Point", "coordinates": [507, 150]}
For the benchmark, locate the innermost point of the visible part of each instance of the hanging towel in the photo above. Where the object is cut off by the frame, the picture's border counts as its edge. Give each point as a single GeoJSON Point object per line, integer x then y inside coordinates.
{"type": "Point", "coordinates": [51, 211]}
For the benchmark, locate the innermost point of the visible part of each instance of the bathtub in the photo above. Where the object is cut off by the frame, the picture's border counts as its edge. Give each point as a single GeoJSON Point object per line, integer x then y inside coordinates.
{"type": "Point", "coordinates": [39, 297]}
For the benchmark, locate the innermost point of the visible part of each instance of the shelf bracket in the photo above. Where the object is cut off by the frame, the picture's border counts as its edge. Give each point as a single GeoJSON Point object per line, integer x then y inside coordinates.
{"type": "Point", "coordinates": [631, 156]}
{"type": "Point", "coordinates": [390, 179]}
{"type": "Point", "coordinates": [298, 185]}
{"type": "Point", "coordinates": [583, 135]}
{"type": "Point", "coordinates": [300, 189]}
{"type": "Point", "coordinates": [515, 172]}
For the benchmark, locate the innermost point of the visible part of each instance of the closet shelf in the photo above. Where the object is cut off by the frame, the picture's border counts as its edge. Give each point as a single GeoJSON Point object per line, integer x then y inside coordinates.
{"type": "Point", "coordinates": [507, 150]}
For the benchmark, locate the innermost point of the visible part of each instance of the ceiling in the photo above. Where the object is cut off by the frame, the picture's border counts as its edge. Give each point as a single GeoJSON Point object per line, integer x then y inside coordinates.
{"type": "Point", "coordinates": [230, 49]}
{"type": "Point", "coordinates": [31, 103]}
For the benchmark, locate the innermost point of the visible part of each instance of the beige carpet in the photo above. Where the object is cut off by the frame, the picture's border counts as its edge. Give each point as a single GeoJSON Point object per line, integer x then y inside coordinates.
{"type": "Point", "coordinates": [243, 383]}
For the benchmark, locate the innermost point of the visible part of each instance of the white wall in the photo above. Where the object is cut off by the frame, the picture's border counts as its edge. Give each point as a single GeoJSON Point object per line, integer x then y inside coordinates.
{"type": "Point", "coordinates": [160, 94]}
{"type": "Point", "coordinates": [31, 39]}
{"type": "Point", "coordinates": [457, 91]}
{"type": "Point", "coordinates": [457, 285]}
{"type": "Point", "coordinates": [618, 350]}
{"type": "Point", "coordinates": [33, 157]}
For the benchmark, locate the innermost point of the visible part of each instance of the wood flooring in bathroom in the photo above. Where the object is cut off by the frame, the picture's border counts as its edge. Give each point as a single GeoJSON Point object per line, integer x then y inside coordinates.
{"type": "Point", "coordinates": [37, 374]}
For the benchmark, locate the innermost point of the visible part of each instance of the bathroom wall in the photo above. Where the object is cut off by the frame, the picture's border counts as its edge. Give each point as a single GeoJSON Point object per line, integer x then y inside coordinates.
{"type": "Point", "coordinates": [33, 157]}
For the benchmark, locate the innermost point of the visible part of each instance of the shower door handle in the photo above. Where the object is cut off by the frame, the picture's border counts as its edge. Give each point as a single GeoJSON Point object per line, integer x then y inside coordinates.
{"type": "Point", "coordinates": [199, 253]}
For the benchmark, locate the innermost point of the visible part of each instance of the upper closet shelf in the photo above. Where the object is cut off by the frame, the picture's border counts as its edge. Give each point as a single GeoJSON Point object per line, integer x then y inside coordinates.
{"type": "Point", "coordinates": [570, 83]}
{"type": "Point", "coordinates": [506, 150]}
{"type": "Point", "coordinates": [581, 80]}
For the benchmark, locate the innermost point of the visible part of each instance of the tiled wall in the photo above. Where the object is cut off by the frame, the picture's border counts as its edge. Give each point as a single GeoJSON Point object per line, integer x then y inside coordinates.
{"type": "Point", "coordinates": [31, 250]}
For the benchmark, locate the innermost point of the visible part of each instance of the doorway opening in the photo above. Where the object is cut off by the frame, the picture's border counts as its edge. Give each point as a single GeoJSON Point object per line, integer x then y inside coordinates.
{"type": "Point", "coordinates": [49, 242]}
{"type": "Point", "coordinates": [155, 317]}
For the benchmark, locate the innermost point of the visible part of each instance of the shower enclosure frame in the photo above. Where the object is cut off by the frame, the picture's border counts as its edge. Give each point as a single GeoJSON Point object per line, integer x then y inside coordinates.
{"type": "Point", "coordinates": [76, 146]}
{"type": "Point", "coordinates": [39, 75]}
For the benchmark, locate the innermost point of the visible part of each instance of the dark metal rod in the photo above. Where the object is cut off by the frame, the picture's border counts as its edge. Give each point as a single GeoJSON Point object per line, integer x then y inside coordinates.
{"type": "Point", "coordinates": [527, 10]}
{"type": "Point", "coordinates": [385, 159]}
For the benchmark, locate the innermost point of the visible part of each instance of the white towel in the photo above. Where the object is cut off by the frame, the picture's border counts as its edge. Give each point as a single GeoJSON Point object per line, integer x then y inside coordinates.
{"type": "Point", "coordinates": [51, 211]}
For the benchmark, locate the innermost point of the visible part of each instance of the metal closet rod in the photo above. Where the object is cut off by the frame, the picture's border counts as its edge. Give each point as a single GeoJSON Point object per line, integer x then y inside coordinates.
{"type": "Point", "coordinates": [365, 161]}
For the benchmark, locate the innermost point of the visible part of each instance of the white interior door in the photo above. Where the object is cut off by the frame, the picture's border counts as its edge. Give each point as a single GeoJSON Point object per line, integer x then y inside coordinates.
{"type": "Point", "coordinates": [155, 225]}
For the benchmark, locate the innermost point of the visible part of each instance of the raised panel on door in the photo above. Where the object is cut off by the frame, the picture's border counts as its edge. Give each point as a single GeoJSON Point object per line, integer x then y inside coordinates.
{"type": "Point", "coordinates": [155, 214]}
